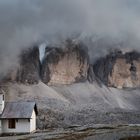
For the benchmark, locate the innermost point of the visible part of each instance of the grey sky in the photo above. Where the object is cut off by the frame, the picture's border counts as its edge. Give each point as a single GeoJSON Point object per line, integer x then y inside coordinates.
{"type": "Point", "coordinates": [24, 22]}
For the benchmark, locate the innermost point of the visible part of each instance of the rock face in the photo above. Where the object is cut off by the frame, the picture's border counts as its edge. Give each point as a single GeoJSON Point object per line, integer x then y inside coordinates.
{"type": "Point", "coordinates": [65, 65]}
{"type": "Point", "coordinates": [29, 69]}
{"type": "Point", "coordinates": [69, 63]}
{"type": "Point", "coordinates": [119, 70]}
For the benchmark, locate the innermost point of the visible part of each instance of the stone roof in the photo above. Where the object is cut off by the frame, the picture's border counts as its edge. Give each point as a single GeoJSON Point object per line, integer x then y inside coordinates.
{"type": "Point", "coordinates": [18, 110]}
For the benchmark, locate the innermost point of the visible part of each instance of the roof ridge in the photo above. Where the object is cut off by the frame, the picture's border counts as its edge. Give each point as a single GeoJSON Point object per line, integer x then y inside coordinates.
{"type": "Point", "coordinates": [21, 102]}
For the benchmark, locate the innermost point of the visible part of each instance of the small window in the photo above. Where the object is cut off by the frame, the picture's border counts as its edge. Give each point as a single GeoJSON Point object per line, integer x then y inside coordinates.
{"type": "Point", "coordinates": [3, 97]}
{"type": "Point", "coordinates": [12, 123]}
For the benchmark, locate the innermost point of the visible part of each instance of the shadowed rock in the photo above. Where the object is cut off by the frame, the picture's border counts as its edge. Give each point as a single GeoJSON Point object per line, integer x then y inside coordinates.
{"type": "Point", "coordinates": [29, 69]}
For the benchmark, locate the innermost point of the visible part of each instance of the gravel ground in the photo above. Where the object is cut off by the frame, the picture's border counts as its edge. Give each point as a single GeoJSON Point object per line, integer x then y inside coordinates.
{"type": "Point", "coordinates": [99, 132]}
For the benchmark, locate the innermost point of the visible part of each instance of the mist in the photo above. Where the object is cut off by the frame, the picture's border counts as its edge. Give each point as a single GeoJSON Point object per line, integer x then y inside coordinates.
{"type": "Point", "coordinates": [101, 24]}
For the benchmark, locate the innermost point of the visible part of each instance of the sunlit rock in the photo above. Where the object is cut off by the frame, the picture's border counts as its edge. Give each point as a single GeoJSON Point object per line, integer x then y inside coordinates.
{"type": "Point", "coordinates": [65, 65]}
{"type": "Point", "coordinates": [119, 70]}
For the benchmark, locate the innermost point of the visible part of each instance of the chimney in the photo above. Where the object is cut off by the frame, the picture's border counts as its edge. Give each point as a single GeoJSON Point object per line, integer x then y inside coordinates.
{"type": "Point", "coordinates": [2, 100]}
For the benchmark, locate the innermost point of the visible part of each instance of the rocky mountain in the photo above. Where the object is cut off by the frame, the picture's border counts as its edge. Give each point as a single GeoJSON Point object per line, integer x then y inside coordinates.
{"type": "Point", "coordinates": [70, 90]}
{"type": "Point", "coordinates": [69, 63]}
{"type": "Point", "coordinates": [65, 65]}
{"type": "Point", "coordinates": [120, 70]}
{"type": "Point", "coordinates": [28, 69]}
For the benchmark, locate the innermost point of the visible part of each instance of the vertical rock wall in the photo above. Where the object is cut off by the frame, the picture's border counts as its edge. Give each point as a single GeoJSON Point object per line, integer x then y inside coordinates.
{"type": "Point", "coordinates": [65, 65]}
{"type": "Point", "coordinates": [119, 70]}
{"type": "Point", "coordinates": [29, 69]}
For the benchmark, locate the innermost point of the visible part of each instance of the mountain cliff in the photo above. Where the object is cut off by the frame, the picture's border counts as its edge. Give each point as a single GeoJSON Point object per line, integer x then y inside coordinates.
{"type": "Point", "coordinates": [69, 63]}
{"type": "Point", "coordinates": [120, 70]}
{"type": "Point", "coordinates": [65, 65]}
{"type": "Point", "coordinates": [29, 68]}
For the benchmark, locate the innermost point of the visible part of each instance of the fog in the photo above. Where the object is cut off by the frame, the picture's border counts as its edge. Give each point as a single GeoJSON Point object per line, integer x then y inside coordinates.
{"type": "Point", "coordinates": [101, 24]}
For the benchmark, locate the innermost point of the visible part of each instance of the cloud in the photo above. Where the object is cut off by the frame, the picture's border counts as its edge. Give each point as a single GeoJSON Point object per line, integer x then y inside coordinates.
{"type": "Point", "coordinates": [24, 23]}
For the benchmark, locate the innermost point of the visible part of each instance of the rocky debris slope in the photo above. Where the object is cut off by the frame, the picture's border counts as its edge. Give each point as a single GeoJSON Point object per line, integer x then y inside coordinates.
{"type": "Point", "coordinates": [79, 104]}
{"type": "Point", "coordinates": [65, 65]}
{"type": "Point", "coordinates": [119, 70]}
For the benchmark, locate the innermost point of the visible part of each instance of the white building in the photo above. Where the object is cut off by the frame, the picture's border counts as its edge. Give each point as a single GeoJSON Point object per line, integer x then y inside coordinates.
{"type": "Point", "coordinates": [17, 117]}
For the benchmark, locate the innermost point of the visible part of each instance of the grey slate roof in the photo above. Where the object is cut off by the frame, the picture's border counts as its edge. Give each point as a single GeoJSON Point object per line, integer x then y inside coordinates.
{"type": "Point", "coordinates": [22, 110]}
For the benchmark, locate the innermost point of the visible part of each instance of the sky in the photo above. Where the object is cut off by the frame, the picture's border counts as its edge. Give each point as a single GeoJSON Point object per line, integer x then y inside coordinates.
{"type": "Point", "coordinates": [27, 22]}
